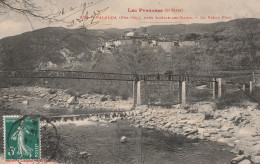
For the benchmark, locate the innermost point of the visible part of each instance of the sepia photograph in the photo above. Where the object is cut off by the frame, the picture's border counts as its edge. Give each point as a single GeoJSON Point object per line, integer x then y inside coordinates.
{"type": "Point", "coordinates": [129, 82]}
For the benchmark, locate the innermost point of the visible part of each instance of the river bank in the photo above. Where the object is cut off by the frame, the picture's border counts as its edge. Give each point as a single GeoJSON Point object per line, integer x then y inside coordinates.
{"type": "Point", "coordinates": [39, 100]}
{"type": "Point", "coordinates": [101, 142]}
{"type": "Point", "coordinates": [236, 127]}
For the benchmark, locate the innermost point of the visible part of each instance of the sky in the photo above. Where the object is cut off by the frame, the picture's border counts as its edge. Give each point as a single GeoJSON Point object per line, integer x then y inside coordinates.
{"type": "Point", "coordinates": [194, 11]}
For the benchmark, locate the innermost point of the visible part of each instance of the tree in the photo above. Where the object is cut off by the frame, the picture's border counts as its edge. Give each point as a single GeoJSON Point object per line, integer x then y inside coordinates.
{"type": "Point", "coordinates": [248, 35]}
{"type": "Point", "coordinates": [191, 60]}
{"type": "Point", "coordinates": [137, 59]}
{"type": "Point", "coordinates": [192, 36]}
{"type": "Point", "coordinates": [104, 62]}
{"type": "Point", "coordinates": [28, 8]}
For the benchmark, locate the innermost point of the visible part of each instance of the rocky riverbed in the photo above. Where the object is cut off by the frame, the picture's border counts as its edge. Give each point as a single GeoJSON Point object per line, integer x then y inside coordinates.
{"type": "Point", "coordinates": [237, 127]}
{"type": "Point", "coordinates": [49, 99]}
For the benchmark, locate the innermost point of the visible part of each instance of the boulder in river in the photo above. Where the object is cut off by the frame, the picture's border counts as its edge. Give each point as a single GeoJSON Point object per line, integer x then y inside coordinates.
{"type": "Point", "coordinates": [226, 135]}
{"type": "Point", "coordinates": [123, 139]}
{"type": "Point", "coordinates": [168, 125]}
{"type": "Point", "coordinates": [247, 131]}
{"type": "Point", "coordinates": [245, 161]}
{"type": "Point", "coordinates": [94, 118]}
{"type": "Point", "coordinates": [256, 149]}
{"type": "Point", "coordinates": [84, 154]}
{"type": "Point", "coordinates": [114, 120]}
{"type": "Point", "coordinates": [238, 159]}
{"type": "Point", "coordinates": [5, 97]}
{"type": "Point", "coordinates": [71, 100]}
{"type": "Point", "coordinates": [47, 107]}
{"type": "Point", "coordinates": [206, 134]}
{"type": "Point", "coordinates": [26, 102]}
{"type": "Point", "coordinates": [256, 159]}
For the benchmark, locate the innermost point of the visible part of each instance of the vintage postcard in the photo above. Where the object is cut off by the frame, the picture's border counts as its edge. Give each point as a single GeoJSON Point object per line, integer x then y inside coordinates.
{"type": "Point", "coordinates": [130, 82]}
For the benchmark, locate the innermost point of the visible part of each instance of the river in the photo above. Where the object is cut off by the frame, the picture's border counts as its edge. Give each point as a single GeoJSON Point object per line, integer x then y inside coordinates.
{"type": "Point", "coordinates": [102, 140]}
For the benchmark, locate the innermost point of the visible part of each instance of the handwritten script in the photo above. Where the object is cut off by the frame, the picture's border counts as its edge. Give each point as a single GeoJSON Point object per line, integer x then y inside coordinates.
{"type": "Point", "coordinates": [84, 19]}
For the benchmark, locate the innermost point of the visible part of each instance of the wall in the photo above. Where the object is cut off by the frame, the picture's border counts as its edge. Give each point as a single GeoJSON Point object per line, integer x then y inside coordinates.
{"type": "Point", "coordinates": [166, 45]}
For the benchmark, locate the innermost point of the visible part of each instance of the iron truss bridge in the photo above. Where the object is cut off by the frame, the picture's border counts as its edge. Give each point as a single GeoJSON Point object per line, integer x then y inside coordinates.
{"type": "Point", "coordinates": [100, 76]}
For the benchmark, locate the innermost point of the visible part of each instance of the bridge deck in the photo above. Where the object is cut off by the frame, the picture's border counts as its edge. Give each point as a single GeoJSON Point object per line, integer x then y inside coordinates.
{"type": "Point", "coordinates": [111, 76]}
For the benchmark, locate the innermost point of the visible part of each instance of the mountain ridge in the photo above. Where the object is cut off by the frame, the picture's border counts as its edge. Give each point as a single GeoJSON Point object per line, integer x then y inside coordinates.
{"type": "Point", "coordinates": [58, 46]}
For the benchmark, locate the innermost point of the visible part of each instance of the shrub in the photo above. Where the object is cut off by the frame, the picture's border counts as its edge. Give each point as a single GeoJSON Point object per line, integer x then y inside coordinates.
{"type": "Point", "coordinates": [193, 110]}
{"type": "Point", "coordinates": [52, 91]}
{"type": "Point", "coordinates": [125, 96]}
{"type": "Point", "coordinates": [113, 97]}
{"type": "Point", "coordinates": [112, 91]}
{"type": "Point", "coordinates": [166, 98]}
{"type": "Point", "coordinates": [104, 98]}
{"type": "Point", "coordinates": [228, 100]}
{"type": "Point", "coordinates": [152, 98]}
{"type": "Point", "coordinates": [208, 116]}
{"type": "Point", "coordinates": [124, 93]}
{"type": "Point", "coordinates": [72, 92]}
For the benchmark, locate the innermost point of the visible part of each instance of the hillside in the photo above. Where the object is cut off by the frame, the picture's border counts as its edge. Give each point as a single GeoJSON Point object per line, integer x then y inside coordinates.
{"type": "Point", "coordinates": [57, 46]}
{"type": "Point", "coordinates": [182, 28]}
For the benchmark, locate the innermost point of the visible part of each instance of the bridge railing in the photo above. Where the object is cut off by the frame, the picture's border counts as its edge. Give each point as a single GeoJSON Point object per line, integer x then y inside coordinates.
{"type": "Point", "coordinates": [65, 74]}
{"type": "Point", "coordinates": [115, 76]}
{"type": "Point", "coordinates": [177, 78]}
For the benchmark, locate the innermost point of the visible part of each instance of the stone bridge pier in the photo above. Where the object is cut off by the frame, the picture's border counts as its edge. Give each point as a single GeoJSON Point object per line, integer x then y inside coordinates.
{"type": "Point", "coordinates": [247, 87]}
{"type": "Point", "coordinates": [140, 92]}
{"type": "Point", "coordinates": [218, 86]}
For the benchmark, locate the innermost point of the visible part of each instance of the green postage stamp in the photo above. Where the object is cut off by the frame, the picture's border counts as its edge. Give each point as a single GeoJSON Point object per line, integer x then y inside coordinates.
{"type": "Point", "coordinates": [22, 138]}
